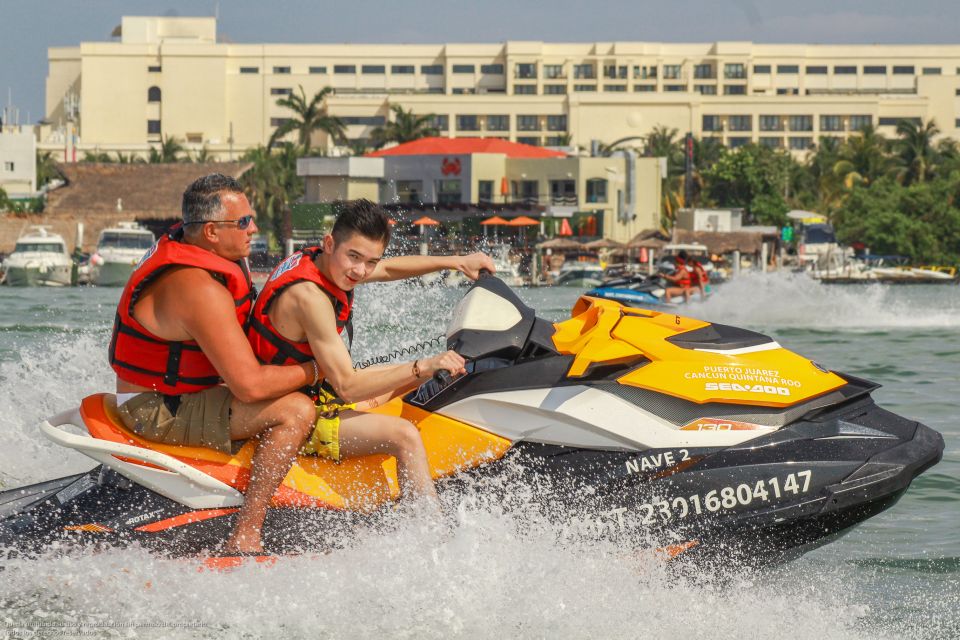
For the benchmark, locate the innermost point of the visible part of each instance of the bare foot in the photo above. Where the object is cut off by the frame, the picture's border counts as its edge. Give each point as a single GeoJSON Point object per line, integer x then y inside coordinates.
{"type": "Point", "coordinates": [243, 543]}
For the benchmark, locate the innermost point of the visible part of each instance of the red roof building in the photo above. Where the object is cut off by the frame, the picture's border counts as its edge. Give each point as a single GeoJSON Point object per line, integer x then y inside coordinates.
{"type": "Point", "coordinates": [466, 146]}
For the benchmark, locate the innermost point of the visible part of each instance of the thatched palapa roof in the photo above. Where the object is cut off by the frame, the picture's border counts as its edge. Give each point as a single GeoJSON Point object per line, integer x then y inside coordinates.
{"type": "Point", "coordinates": [138, 191]}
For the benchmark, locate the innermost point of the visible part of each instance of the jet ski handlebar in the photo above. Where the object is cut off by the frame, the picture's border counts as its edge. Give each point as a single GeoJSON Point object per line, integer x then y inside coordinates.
{"type": "Point", "coordinates": [443, 378]}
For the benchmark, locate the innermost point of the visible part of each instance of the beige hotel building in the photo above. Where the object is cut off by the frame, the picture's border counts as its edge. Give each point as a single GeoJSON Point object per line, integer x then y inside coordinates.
{"type": "Point", "coordinates": [172, 77]}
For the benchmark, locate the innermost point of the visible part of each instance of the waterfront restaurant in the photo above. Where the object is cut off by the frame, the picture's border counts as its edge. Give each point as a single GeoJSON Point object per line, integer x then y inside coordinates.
{"type": "Point", "coordinates": [452, 179]}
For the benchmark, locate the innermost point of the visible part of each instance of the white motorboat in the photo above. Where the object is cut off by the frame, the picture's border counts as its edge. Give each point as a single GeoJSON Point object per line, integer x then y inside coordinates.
{"type": "Point", "coordinates": [40, 258]}
{"type": "Point", "coordinates": [579, 274]}
{"type": "Point", "coordinates": [119, 249]}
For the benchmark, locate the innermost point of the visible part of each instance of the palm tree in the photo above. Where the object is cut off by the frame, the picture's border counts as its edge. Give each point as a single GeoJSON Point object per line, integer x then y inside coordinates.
{"type": "Point", "coordinates": [309, 116]}
{"type": "Point", "coordinates": [607, 149]}
{"type": "Point", "coordinates": [827, 184]}
{"type": "Point", "coordinates": [203, 156]}
{"type": "Point", "coordinates": [272, 185]}
{"type": "Point", "coordinates": [915, 152]}
{"type": "Point", "coordinates": [862, 158]}
{"type": "Point", "coordinates": [46, 168]}
{"type": "Point", "coordinates": [126, 158]}
{"type": "Point", "coordinates": [169, 151]}
{"type": "Point", "coordinates": [96, 156]}
{"type": "Point", "coordinates": [405, 127]}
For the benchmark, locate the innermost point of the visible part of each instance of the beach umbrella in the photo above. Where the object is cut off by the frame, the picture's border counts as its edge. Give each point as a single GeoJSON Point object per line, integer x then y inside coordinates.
{"type": "Point", "coordinates": [565, 229]}
{"type": "Point", "coordinates": [504, 186]}
{"type": "Point", "coordinates": [490, 222]}
{"type": "Point", "coordinates": [523, 221]}
{"type": "Point", "coordinates": [425, 221]}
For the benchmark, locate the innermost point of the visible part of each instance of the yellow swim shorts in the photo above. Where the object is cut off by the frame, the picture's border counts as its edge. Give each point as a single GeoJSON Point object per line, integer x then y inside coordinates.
{"type": "Point", "coordinates": [324, 440]}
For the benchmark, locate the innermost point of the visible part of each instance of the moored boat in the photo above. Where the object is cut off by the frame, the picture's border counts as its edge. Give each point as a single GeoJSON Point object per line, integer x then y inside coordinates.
{"type": "Point", "coordinates": [40, 258]}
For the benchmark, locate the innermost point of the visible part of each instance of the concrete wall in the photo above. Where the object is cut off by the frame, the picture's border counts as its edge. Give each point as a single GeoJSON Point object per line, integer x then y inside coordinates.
{"type": "Point", "coordinates": [18, 162]}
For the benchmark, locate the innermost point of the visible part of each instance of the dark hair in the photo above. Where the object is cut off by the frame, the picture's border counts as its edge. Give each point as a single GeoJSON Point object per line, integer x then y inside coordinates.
{"type": "Point", "coordinates": [201, 200]}
{"type": "Point", "coordinates": [682, 254]}
{"type": "Point", "coordinates": [363, 217]}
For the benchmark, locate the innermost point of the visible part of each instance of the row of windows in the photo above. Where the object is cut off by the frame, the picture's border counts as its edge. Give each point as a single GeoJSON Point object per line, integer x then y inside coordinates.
{"type": "Point", "coordinates": [502, 123]}
{"type": "Point", "coordinates": [528, 70]}
{"type": "Point", "coordinates": [791, 123]}
{"type": "Point", "coordinates": [848, 69]}
{"type": "Point", "coordinates": [381, 69]}
{"type": "Point", "coordinates": [466, 122]}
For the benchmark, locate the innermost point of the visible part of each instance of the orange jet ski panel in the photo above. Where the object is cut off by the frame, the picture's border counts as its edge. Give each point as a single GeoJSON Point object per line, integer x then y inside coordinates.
{"type": "Point", "coordinates": [357, 483]}
{"type": "Point", "coordinates": [764, 374]}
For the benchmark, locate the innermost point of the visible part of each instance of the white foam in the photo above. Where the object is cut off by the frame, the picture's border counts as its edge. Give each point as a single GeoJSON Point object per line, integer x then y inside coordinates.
{"type": "Point", "coordinates": [786, 299]}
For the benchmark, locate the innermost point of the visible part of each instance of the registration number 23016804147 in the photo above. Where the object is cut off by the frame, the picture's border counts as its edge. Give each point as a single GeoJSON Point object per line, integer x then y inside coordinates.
{"type": "Point", "coordinates": [726, 498]}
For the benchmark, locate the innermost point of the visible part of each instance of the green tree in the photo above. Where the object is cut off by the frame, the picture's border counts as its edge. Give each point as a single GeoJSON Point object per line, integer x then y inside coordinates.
{"type": "Point", "coordinates": [204, 156]}
{"type": "Point", "coordinates": [921, 220]}
{"type": "Point", "coordinates": [862, 158]}
{"type": "Point", "coordinates": [126, 158]}
{"type": "Point", "coordinates": [752, 177]}
{"type": "Point", "coordinates": [46, 168]}
{"type": "Point", "coordinates": [404, 127]}
{"type": "Point", "coordinates": [915, 153]}
{"type": "Point", "coordinates": [96, 156]}
{"type": "Point", "coordinates": [272, 185]}
{"type": "Point", "coordinates": [308, 116]}
{"type": "Point", "coordinates": [170, 150]}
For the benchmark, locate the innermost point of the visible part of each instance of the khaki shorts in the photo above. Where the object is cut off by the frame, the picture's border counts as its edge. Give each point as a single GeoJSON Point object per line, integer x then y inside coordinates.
{"type": "Point", "coordinates": [201, 419]}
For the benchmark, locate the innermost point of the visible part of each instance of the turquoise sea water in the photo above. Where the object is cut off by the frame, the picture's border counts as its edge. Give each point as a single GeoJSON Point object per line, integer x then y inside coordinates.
{"type": "Point", "coordinates": [895, 576]}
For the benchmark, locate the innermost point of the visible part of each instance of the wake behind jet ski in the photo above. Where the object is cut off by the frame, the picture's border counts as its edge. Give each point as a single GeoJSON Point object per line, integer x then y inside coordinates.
{"type": "Point", "coordinates": [661, 430]}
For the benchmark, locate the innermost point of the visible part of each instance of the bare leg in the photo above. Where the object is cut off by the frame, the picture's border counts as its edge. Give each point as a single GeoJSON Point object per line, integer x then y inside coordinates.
{"type": "Point", "coordinates": [281, 425]}
{"type": "Point", "coordinates": [364, 434]}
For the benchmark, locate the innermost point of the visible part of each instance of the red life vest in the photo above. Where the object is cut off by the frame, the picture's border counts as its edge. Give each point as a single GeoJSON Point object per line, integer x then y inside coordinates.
{"type": "Point", "coordinates": [699, 273]}
{"type": "Point", "coordinates": [171, 367]}
{"type": "Point", "coordinates": [268, 345]}
{"type": "Point", "coordinates": [683, 272]}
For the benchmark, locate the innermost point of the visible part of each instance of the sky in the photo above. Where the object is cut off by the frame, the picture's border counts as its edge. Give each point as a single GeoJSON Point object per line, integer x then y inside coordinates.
{"type": "Point", "coordinates": [28, 27]}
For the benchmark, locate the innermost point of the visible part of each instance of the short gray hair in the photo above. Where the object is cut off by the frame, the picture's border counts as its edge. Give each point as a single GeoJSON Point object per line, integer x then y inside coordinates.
{"type": "Point", "coordinates": [201, 200]}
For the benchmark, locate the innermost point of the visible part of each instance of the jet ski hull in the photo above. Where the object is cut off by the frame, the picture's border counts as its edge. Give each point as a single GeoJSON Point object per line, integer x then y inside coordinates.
{"type": "Point", "coordinates": [766, 502]}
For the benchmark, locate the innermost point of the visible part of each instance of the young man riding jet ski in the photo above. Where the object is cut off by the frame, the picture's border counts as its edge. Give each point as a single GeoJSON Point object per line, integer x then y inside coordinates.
{"type": "Point", "coordinates": [179, 333]}
{"type": "Point", "coordinates": [305, 306]}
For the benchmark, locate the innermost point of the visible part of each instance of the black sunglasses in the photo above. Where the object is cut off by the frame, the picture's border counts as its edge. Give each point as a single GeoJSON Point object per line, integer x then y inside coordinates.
{"type": "Point", "coordinates": [242, 222]}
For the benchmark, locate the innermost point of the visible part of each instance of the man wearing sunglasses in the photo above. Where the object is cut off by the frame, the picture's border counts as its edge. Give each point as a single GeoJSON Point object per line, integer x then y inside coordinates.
{"type": "Point", "coordinates": [186, 374]}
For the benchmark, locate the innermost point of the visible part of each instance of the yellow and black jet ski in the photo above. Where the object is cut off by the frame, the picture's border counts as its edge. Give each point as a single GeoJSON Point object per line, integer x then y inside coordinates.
{"type": "Point", "coordinates": [662, 430]}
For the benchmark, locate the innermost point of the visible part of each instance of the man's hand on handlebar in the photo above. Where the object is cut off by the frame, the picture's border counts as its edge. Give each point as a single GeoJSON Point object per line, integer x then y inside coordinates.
{"type": "Point", "coordinates": [471, 265]}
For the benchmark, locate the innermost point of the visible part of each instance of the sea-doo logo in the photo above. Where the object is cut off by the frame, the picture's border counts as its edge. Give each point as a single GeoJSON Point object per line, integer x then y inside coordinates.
{"type": "Point", "coordinates": [747, 388]}
{"type": "Point", "coordinates": [286, 265]}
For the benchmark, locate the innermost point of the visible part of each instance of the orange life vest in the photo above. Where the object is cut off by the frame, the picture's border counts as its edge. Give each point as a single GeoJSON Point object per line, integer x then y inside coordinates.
{"type": "Point", "coordinates": [268, 345]}
{"type": "Point", "coordinates": [172, 367]}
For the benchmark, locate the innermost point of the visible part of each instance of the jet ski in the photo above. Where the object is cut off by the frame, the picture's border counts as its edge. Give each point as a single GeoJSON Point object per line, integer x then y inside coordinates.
{"type": "Point", "coordinates": [634, 291]}
{"type": "Point", "coordinates": [644, 291]}
{"type": "Point", "coordinates": [654, 429]}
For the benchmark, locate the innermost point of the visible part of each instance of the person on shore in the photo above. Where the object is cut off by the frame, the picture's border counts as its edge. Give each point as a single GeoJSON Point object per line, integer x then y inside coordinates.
{"type": "Point", "coordinates": [305, 306]}
{"type": "Point", "coordinates": [186, 374]}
